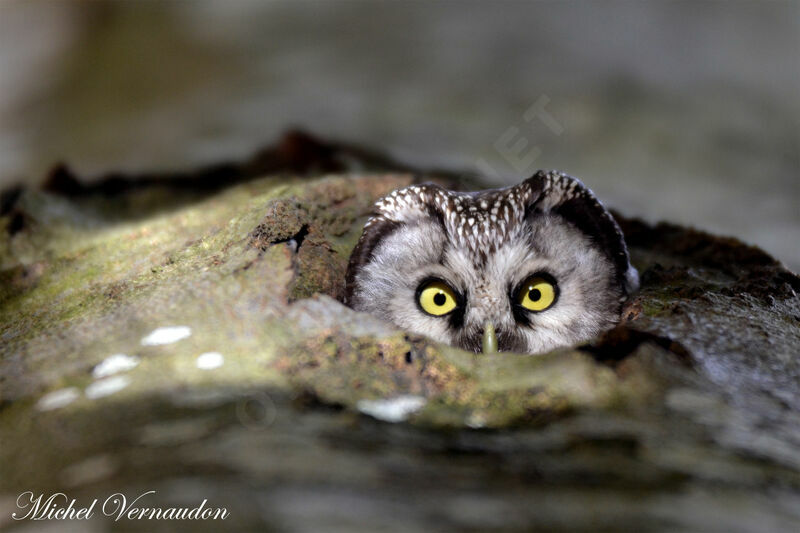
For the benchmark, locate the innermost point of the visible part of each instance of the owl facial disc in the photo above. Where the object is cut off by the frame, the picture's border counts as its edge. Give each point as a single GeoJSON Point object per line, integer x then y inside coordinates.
{"type": "Point", "coordinates": [526, 268]}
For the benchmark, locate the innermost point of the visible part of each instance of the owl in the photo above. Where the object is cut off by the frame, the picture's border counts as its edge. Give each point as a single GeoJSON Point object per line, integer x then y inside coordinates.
{"type": "Point", "coordinates": [525, 269]}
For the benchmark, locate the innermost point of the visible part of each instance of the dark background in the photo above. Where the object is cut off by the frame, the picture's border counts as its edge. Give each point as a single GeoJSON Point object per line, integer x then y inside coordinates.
{"type": "Point", "coordinates": [687, 111]}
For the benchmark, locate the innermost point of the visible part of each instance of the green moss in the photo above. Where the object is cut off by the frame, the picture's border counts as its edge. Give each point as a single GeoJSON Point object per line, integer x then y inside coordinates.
{"type": "Point", "coordinates": [233, 267]}
{"type": "Point", "coordinates": [87, 279]}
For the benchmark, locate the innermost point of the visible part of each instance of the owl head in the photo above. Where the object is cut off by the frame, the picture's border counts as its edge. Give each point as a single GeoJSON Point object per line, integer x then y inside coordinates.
{"type": "Point", "coordinates": [526, 268]}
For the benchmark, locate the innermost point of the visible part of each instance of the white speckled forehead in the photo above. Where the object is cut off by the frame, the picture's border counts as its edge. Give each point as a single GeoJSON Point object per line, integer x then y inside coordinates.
{"type": "Point", "coordinates": [479, 222]}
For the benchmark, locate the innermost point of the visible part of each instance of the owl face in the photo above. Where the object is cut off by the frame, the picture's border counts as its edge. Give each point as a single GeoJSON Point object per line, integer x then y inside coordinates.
{"type": "Point", "coordinates": [542, 264]}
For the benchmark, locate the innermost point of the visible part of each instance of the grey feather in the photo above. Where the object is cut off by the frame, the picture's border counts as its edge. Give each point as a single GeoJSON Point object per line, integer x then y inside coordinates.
{"type": "Point", "coordinates": [484, 244]}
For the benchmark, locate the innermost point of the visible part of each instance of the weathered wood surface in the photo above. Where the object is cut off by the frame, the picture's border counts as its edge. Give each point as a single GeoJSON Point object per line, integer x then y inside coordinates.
{"type": "Point", "coordinates": [685, 418]}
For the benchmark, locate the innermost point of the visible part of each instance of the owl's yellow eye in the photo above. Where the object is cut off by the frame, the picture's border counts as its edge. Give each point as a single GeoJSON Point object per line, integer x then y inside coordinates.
{"type": "Point", "coordinates": [536, 294]}
{"type": "Point", "coordinates": [436, 298]}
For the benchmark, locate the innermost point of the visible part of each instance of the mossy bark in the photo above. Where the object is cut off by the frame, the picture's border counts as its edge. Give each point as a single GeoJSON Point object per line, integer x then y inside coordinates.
{"type": "Point", "coordinates": [684, 417]}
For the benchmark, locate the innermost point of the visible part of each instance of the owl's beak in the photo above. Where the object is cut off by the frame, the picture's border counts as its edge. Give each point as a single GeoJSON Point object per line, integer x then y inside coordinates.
{"type": "Point", "coordinates": [489, 339]}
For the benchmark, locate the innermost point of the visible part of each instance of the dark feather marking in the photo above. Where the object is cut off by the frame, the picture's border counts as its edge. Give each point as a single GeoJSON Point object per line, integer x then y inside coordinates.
{"type": "Point", "coordinates": [590, 217]}
{"type": "Point", "coordinates": [378, 229]}
{"type": "Point", "coordinates": [584, 211]}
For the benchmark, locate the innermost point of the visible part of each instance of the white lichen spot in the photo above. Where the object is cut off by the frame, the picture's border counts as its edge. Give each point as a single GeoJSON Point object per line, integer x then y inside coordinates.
{"type": "Point", "coordinates": [106, 387]}
{"type": "Point", "coordinates": [476, 420]}
{"type": "Point", "coordinates": [57, 399]}
{"type": "Point", "coordinates": [166, 335]}
{"type": "Point", "coordinates": [114, 364]}
{"type": "Point", "coordinates": [393, 409]}
{"type": "Point", "coordinates": [210, 360]}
